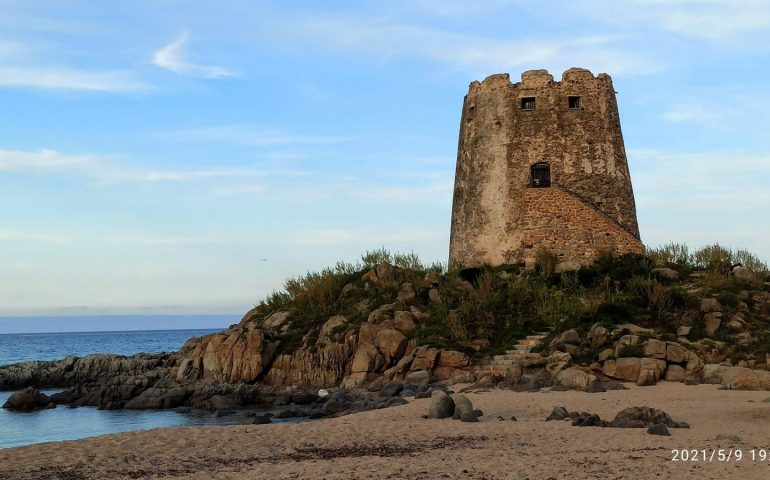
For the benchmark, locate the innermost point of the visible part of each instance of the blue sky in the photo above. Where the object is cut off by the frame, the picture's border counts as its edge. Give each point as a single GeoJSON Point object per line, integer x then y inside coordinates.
{"type": "Point", "coordinates": [188, 156]}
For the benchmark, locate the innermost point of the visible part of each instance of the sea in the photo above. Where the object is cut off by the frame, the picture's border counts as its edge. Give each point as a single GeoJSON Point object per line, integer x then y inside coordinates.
{"type": "Point", "coordinates": [63, 423]}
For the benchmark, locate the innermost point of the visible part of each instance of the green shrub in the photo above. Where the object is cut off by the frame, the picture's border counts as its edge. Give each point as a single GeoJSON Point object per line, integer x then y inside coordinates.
{"type": "Point", "coordinates": [728, 299]}
{"type": "Point", "coordinates": [714, 258]}
{"type": "Point", "coordinates": [670, 254]}
{"type": "Point", "coordinates": [631, 351]}
{"type": "Point", "coordinates": [545, 262]}
{"type": "Point", "coordinates": [611, 313]}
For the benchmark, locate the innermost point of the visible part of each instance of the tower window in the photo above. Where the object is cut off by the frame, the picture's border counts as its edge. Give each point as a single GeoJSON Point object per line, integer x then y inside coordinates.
{"type": "Point", "coordinates": [574, 103]}
{"type": "Point", "coordinates": [528, 103]}
{"type": "Point", "coordinates": [540, 175]}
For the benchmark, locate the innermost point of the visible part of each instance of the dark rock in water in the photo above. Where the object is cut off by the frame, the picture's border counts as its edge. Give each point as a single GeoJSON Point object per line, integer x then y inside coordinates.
{"type": "Point", "coordinates": [27, 400]}
{"type": "Point", "coordinates": [659, 429]}
{"type": "Point", "coordinates": [391, 389]}
{"type": "Point", "coordinates": [639, 417]}
{"type": "Point", "coordinates": [468, 417]}
{"type": "Point", "coordinates": [338, 402]}
{"type": "Point", "coordinates": [463, 405]}
{"type": "Point", "coordinates": [441, 405]}
{"type": "Point", "coordinates": [261, 420]}
{"type": "Point", "coordinates": [288, 413]}
{"type": "Point", "coordinates": [558, 413]}
{"type": "Point", "coordinates": [221, 402]}
{"type": "Point", "coordinates": [596, 387]}
{"type": "Point", "coordinates": [282, 400]}
{"type": "Point", "coordinates": [478, 413]}
{"type": "Point", "coordinates": [303, 398]}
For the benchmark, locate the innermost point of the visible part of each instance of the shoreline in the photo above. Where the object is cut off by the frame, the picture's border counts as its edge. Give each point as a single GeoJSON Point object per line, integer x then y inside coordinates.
{"type": "Point", "coordinates": [397, 442]}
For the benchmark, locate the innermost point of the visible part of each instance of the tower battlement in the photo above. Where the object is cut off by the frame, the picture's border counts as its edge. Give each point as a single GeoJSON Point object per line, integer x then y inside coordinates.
{"type": "Point", "coordinates": [541, 164]}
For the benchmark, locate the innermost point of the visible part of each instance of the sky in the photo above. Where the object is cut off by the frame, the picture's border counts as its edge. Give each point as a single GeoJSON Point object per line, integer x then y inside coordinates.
{"type": "Point", "coordinates": [188, 156]}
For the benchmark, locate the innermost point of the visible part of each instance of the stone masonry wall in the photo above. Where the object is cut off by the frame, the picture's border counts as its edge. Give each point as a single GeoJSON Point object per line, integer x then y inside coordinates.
{"type": "Point", "coordinates": [576, 232]}
{"type": "Point", "coordinates": [499, 142]}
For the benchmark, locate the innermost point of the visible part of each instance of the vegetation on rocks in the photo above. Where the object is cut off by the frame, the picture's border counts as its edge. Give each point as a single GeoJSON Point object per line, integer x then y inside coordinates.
{"type": "Point", "coordinates": [484, 311]}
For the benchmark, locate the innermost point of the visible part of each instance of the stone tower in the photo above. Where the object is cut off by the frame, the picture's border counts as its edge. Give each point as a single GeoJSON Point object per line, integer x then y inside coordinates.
{"type": "Point", "coordinates": [541, 164]}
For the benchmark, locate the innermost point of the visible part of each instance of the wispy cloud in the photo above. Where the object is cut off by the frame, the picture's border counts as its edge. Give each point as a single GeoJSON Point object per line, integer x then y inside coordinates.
{"type": "Point", "coordinates": [713, 20]}
{"type": "Point", "coordinates": [107, 168]}
{"type": "Point", "coordinates": [171, 57]}
{"type": "Point", "coordinates": [249, 135]}
{"type": "Point", "coordinates": [53, 78]}
{"type": "Point", "coordinates": [33, 236]}
{"type": "Point", "coordinates": [385, 39]}
{"type": "Point", "coordinates": [693, 113]}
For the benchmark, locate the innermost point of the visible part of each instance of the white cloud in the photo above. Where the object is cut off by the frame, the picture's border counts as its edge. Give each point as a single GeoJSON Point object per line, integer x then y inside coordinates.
{"type": "Point", "coordinates": [107, 168]}
{"type": "Point", "coordinates": [712, 20]}
{"type": "Point", "coordinates": [250, 135]}
{"type": "Point", "coordinates": [70, 79]}
{"type": "Point", "coordinates": [693, 113]}
{"type": "Point", "coordinates": [171, 57]}
{"type": "Point", "coordinates": [387, 40]}
{"type": "Point", "coordinates": [33, 236]}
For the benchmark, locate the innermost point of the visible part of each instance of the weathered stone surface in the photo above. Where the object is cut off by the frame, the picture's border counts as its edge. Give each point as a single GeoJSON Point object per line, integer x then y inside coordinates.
{"type": "Point", "coordinates": [655, 349]}
{"type": "Point", "coordinates": [27, 400]}
{"type": "Point", "coordinates": [625, 340]}
{"type": "Point", "coordinates": [454, 359]}
{"type": "Point", "coordinates": [421, 377]}
{"type": "Point", "coordinates": [404, 322]}
{"type": "Point", "coordinates": [737, 378]}
{"type": "Point", "coordinates": [391, 388]}
{"type": "Point", "coordinates": [744, 273]}
{"type": "Point", "coordinates": [463, 406]}
{"type": "Point", "coordinates": [424, 358]}
{"type": "Point", "coordinates": [712, 322]}
{"type": "Point", "coordinates": [675, 353]}
{"type": "Point", "coordinates": [367, 359]}
{"type": "Point", "coordinates": [575, 378]}
{"type": "Point", "coordinates": [683, 331]}
{"type": "Point", "coordinates": [558, 361]}
{"type": "Point", "coordinates": [497, 218]}
{"type": "Point", "coordinates": [277, 321]}
{"type": "Point", "coordinates": [708, 305]}
{"type": "Point", "coordinates": [391, 343]}
{"type": "Point", "coordinates": [623, 368]}
{"type": "Point", "coordinates": [334, 323]}
{"type": "Point", "coordinates": [441, 405]}
{"type": "Point", "coordinates": [675, 373]}
{"type": "Point", "coordinates": [598, 335]}
{"type": "Point", "coordinates": [659, 429]}
{"type": "Point", "coordinates": [239, 354]}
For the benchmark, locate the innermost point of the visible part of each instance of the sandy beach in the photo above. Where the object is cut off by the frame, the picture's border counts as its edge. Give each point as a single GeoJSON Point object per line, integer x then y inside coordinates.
{"type": "Point", "coordinates": [398, 443]}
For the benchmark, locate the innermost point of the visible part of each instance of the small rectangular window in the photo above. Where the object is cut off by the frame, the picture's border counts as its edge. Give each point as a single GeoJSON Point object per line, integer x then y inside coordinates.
{"type": "Point", "coordinates": [574, 103]}
{"type": "Point", "coordinates": [528, 103]}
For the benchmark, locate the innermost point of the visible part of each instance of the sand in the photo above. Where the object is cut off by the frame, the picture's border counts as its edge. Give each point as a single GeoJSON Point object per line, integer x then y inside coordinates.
{"type": "Point", "coordinates": [398, 443]}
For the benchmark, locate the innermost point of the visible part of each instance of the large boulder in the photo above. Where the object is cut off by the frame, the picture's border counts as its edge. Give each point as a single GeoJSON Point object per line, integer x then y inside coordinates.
{"type": "Point", "coordinates": [463, 406]}
{"type": "Point", "coordinates": [655, 349]}
{"type": "Point", "coordinates": [639, 417]}
{"type": "Point", "coordinates": [239, 354]}
{"type": "Point", "coordinates": [712, 322]}
{"type": "Point", "coordinates": [27, 400]}
{"type": "Point", "coordinates": [575, 378]}
{"type": "Point", "coordinates": [441, 405]}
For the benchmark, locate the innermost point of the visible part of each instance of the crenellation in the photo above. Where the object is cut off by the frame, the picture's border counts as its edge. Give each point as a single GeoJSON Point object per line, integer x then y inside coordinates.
{"type": "Point", "coordinates": [504, 133]}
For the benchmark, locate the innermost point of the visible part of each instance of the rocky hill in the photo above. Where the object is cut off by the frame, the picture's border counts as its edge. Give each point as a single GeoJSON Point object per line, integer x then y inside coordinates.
{"type": "Point", "coordinates": [639, 318]}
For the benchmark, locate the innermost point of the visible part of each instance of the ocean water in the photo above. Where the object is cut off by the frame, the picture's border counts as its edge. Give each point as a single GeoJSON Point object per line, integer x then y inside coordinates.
{"type": "Point", "coordinates": [21, 347]}
{"type": "Point", "coordinates": [63, 423]}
